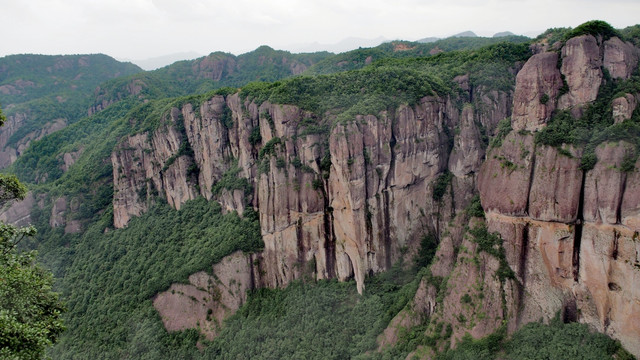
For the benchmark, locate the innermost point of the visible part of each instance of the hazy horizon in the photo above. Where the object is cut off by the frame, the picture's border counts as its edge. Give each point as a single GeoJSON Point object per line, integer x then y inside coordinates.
{"type": "Point", "coordinates": [145, 29]}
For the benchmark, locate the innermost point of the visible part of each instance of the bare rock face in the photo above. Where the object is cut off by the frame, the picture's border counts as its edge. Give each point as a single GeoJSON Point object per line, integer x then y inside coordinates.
{"type": "Point", "coordinates": [505, 176]}
{"type": "Point", "coordinates": [58, 212]}
{"type": "Point", "coordinates": [144, 165]}
{"type": "Point", "coordinates": [70, 159]}
{"type": "Point", "coordinates": [609, 279]}
{"type": "Point", "coordinates": [605, 183]}
{"type": "Point", "coordinates": [630, 207]}
{"type": "Point", "coordinates": [555, 187]}
{"type": "Point", "coordinates": [581, 62]}
{"type": "Point", "coordinates": [107, 97]}
{"type": "Point", "coordinates": [214, 66]}
{"type": "Point", "coordinates": [210, 137]}
{"type": "Point", "coordinates": [623, 108]}
{"type": "Point", "coordinates": [207, 300]}
{"type": "Point", "coordinates": [575, 249]}
{"type": "Point", "coordinates": [620, 58]}
{"type": "Point", "coordinates": [18, 212]}
{"type": "Point", "coordinates": [537, 87]}
{"type": "Point", "coordinates": [468, 150]}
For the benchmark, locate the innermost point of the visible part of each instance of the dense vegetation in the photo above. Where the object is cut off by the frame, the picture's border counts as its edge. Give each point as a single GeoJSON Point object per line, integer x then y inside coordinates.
{"type": "Point", "coordinates": [359, 58]}
{"type": "Point", "coordinates": [389, 83]}
{"type": "Point", "coordinates": [30, 312]}
{"type": "Point", "coordinates": [215, 71]}
{"type": "Point", "coordinates": [46, 88]}
{"type": "Point", "coordinates": [108, 277]}
{"type": "Point", "coordinates": [536, 341]}
{"type": "Point", "coordinates": [323, 320]}
{"type": "Point", "coordinates": [37, 76]}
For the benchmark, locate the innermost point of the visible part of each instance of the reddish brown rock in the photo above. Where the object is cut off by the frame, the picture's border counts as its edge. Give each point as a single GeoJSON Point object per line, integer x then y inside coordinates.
{"type": "Point", "coordinates": [605, 182]}
{"type": "Point", "coordinates": [537, 86]}
{"type": "Point", "coordinates": [207, 300]}
{"type": "Point", "coordinates": [620, 58]}
{"type": "Point", "coordinates": [623, 108]}
{"type": "Point", "coordinates": [468, 150]}
{"type": "Point", "coordinates": [609, 279]}
{"type": "Point", "coordinates": [581, 63]}
{"type": "Point", "coordinates": [505, 176]}
{"type": "Point", "coordinates": [144, 165]}
{"type": "Point", "coordinates": [630, 207]}
{"type": "Point", "coordinates": [555, 187]}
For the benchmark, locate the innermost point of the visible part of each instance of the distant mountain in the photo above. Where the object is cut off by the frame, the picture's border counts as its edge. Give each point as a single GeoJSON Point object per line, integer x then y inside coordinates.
{"type": "Point", "coordinates": [428, 40]}
{"type": "Point", "coordinates": [41, 94]}
{"type": "Point", "coordinates": [206, 73]}
{"type": "Point", "coordinates": [465, 34]}
{"type": "Point", "coordinates": [347, 44]}
{"type": "Point", "coordinates": [503, 34]}
{"type": "Point", "coordinates": [356, 59]}
{"type": "Point", "coordinates": [162, 61]}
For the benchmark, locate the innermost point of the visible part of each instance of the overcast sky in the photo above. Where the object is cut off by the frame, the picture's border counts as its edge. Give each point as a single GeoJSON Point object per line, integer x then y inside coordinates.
{"type": "Point", "coordinates": [141, 29]}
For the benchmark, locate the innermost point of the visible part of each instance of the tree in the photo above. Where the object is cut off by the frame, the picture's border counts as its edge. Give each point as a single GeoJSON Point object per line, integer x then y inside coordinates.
{"type": "Point", "coordinates": [30, 312]}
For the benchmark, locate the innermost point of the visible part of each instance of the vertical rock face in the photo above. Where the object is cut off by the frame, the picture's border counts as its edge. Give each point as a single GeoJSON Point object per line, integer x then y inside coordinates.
{"type": "Point", "coordinates": [506, 175]}
{"type": "Point", "coordinates": [332, 203]}
{"type": "Point", "coordinates": [343, 200]}
{"type": "Point", "coordinates": [19, 212]}
{"type": "Point", "coordinates": [604, 185]}
{"type": "Point", "coordinates": [581, 66]}
{"type": "Point", "coordinates": [468, 150]}
{"type": "Point", "coordinates": [570, 235]}
{"type": "Point", "coordinates": [620, 58]}
{"type": "Point", "coordinates": [555, 186]}
{"type": "Point", "coordinates": [144, 165]}
{"type": "Point", "coordinates": [537, 87]}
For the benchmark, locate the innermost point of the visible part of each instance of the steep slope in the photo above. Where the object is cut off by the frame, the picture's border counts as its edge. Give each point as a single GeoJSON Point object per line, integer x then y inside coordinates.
{"type": "Point", "coordinates": [553, 190]}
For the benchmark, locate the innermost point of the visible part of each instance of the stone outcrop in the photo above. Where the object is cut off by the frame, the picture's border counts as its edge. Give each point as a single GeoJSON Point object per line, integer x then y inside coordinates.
{"type": "Point", "coordinates": [70, 158]}
{"type": "Point", "coordinates": [623, 107]}
{"type": "Point", "coordinates": [570, 236]}
{"type": "Point", "coordinates": [207, 299]}
{"type": "Point", "coordinates": [581, 67]}
{"type": "Point", "coordinates": [566, 236]}
{"type": "Point", "coordinates": [330, 203]}
{"type": "Point", "coordinates": [620, 58]}
{"type": "Point", "coordinates": [536, 93]}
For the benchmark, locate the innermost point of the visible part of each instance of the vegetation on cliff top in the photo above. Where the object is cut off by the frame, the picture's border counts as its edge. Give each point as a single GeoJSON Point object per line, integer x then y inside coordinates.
{"type": "Point", "coordinates": [596, 125]}
{"type": "Point", "coordinates": [109, 277]}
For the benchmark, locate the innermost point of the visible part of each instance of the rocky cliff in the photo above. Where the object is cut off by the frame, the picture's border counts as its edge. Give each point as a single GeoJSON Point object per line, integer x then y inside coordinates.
{"type": "Point", "coordinates": [348, 199]}
{"type": "Point", "coordinates": [569, 232]}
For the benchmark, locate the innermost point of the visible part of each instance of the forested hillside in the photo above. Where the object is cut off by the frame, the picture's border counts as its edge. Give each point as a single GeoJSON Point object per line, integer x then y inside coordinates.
{"type": "Point", "coordinates": [440, 200]}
